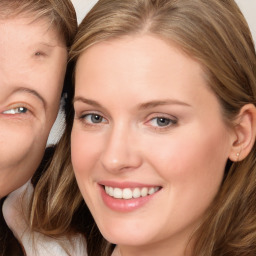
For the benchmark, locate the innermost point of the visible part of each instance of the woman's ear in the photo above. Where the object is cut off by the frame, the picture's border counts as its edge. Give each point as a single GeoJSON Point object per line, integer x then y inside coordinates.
{"type": "Point", "coordinates": [245, 132]}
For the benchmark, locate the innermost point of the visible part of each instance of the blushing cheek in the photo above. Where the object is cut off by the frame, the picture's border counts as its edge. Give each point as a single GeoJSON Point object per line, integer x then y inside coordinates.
{"type": "Point", "coordinates": [214, 151]}
{"type": "Point", "coordinates": [170, 158]}
{"type": "Point", "coordinates": [193, 172]}
{"type": "Point", "coordinates": [82, 158]}
{"type": "Point", "coordinates": [203, 165]}
{"type": "Point", "coordinates": [77, 156]}
{"type": "Point", "coordinates": [191, 158]}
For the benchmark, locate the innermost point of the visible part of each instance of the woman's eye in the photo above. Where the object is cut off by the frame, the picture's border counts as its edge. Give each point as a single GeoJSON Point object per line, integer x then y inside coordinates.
{"type": "Point", "coordinates": [13, 111]}
{"type": "Point", "coordinates": [94, 118]}
{"type": "Point", "coordinates": [162, 122]}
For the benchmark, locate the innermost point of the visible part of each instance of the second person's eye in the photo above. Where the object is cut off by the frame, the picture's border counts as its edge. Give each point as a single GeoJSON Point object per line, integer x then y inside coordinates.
{"type": "Point", "coordinates": [18, 110]}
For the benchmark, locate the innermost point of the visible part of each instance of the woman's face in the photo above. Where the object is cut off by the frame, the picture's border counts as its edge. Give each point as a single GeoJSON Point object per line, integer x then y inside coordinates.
{"type": "Point", "coordinates": [149, 145]}
{"type": "Point", "coordinates": [32, 67]}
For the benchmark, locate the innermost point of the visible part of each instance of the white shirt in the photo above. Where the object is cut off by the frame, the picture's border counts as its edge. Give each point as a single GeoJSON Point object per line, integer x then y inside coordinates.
{"type": "Point", "coordinates": [36, 244]}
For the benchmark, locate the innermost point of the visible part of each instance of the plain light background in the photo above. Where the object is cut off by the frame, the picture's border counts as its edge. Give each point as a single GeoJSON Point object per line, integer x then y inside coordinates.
{"type": "Point", "coordinates": [248, 8]}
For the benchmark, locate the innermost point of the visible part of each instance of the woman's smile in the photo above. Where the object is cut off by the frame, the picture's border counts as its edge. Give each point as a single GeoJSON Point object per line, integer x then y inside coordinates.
{"type": "Point", "coordinates": [127, 196]}
{"type": "Point", "coordinates": [143, 151]}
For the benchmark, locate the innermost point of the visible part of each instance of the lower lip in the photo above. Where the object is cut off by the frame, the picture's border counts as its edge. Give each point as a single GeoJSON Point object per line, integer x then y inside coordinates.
{"type": "Point", "coordinates": [124, 205]}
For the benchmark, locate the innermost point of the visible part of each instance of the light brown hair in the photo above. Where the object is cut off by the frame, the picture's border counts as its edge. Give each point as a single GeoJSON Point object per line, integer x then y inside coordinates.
{"type": "Point", "coordinates": [216, 35]}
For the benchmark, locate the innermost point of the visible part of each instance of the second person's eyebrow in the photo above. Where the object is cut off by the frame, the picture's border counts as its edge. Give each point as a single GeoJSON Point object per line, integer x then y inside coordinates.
{"type": "Point", "coordinates": [32, 92]}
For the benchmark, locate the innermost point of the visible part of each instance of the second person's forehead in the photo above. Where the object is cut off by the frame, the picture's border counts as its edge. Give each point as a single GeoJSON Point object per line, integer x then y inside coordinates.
{"type": "Point", "coordinates": [27, 30]}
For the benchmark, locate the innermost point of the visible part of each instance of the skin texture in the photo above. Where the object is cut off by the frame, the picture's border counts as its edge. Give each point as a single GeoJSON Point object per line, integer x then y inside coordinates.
{"type": "Point", "coordinates": [32, 67]}
{"type": "Point", "coordinates": [131, 83]}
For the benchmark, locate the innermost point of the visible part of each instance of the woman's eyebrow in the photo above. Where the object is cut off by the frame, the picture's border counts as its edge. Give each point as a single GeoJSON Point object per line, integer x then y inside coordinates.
{"type": "Point", "coordinates": [146, 105]}
{"type": "Point", "coordinates": [156, 103]}
{"type": "Point", "coordinates": [32, 92]}
{"type": "Point", "coordinates": [87, 101]}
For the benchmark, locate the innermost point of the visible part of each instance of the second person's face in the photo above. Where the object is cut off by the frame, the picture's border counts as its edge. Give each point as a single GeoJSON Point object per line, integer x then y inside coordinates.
{"type": "Point", "coordinates": [149, 145]}
{"type": "Point", "coordinates": [32, 67]}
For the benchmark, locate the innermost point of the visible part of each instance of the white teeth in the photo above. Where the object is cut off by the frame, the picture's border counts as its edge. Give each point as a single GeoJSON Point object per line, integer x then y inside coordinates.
{"type": "Point", "coordinates": [144, 192]}
{"type": "Point", "coordinates": [151, 191]}
{"type": "Point", "coordinates": [136, 193]}
{"type": "Point", "coordinates": [128, 193]}
{"type": "Point", "coordinates": [111, 191]}
{"type": "Point", "coordinates": [118, 193]}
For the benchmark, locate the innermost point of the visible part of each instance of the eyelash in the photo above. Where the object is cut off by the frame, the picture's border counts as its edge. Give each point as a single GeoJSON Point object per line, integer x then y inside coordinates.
{"type": "Point", "coordinates": [101, 120]}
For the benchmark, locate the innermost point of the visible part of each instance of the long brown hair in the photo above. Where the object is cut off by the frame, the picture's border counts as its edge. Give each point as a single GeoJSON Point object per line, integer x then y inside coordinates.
{"type": "Point", "coordinates": [61, 15]}
{"type": "Point", "coordinates": [214, 33]}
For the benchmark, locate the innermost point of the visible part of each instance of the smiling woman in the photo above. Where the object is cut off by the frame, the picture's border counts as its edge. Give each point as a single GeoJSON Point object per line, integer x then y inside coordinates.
{"type": "Point", "coordinates": [161, 133]}
{"type": "Point", "coordinates": [121, 129]}
{"type": "Point", "coordinates": [33, 58]}
{"type": "Point", "coordinates": [118, 171]}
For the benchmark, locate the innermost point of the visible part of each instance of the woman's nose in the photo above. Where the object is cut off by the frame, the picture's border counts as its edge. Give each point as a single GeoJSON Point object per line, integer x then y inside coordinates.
{"type": "Point", "coordinates": [121, 151]}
